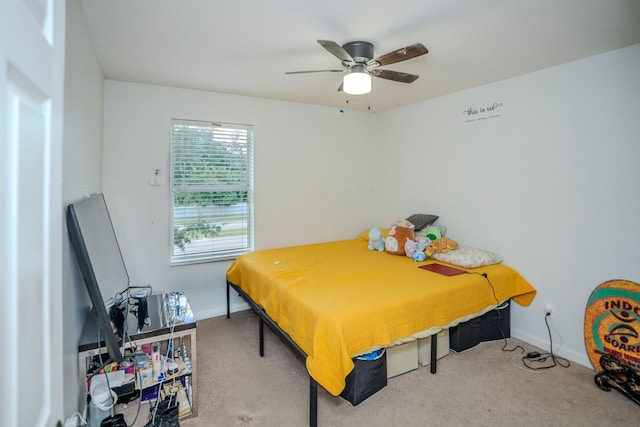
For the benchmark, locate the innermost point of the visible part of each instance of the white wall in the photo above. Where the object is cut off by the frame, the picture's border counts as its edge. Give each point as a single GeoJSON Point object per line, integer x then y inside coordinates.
{"type": "Point", "coordinates": [552, 183]}
{"type": "Point", "coordinates": [315, 178]}
{"type": "Point", "coordinates": [82, 173]}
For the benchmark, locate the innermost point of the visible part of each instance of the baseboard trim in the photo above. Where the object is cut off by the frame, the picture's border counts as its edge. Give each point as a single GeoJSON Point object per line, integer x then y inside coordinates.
{"type": "Point", "coordinates": [220, 311]}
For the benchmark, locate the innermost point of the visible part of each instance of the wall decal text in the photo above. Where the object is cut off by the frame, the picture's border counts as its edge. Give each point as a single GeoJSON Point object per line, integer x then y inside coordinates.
{"type": "Point", "coordinates": [482, 113]}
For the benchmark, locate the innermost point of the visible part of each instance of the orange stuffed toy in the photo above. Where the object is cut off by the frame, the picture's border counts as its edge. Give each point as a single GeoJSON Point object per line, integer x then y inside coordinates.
{"type": "Point", "coordinates": [443, 244]}
{"type": "Point", "coordinates": [397, 238]}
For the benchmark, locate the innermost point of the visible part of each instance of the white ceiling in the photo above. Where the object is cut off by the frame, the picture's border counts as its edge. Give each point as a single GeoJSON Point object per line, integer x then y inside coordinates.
{"type": "Point", "coordinates": [245, 46]}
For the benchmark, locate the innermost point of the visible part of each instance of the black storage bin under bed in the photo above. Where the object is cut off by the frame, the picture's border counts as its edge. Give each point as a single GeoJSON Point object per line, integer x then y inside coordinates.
{"type": "Point", "coordinates": [366, 378]}
{"type": "Point", "coordinates": [488, 327]}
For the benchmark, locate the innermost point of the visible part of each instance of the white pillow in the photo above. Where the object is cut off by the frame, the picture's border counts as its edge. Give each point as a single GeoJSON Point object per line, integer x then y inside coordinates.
{"type": "Point", "coordinates": [468, 257]}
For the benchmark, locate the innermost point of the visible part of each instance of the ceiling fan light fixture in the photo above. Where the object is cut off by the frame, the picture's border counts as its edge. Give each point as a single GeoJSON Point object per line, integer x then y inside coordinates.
{"type": "Point", "coordinates": [357, 82]}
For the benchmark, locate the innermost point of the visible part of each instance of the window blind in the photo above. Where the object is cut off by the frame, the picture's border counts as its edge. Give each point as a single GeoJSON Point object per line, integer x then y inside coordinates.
{"type": "Point", "coordinates": [211, 190]}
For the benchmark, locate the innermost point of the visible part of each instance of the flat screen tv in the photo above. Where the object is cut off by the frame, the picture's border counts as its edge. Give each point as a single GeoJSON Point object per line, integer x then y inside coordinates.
{"type": "Point", "coordinates": [100, 260]}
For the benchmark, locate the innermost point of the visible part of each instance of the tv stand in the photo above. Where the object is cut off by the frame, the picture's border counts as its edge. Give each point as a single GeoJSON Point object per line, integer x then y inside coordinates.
{"type": "Point", "coordinates": [162, 309]}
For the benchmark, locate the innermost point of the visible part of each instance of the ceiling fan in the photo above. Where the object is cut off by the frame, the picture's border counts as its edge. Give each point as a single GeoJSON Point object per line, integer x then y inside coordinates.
{"type": "Point", "coordinates": [358, 60]}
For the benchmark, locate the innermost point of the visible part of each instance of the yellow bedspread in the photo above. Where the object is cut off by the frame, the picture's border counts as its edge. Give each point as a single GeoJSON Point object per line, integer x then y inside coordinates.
{"type": "Point", "coordinates": [338, 299]}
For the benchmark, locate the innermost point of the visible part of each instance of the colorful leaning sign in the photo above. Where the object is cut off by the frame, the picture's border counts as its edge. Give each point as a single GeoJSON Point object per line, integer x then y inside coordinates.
{"type": "Point", "coordinates": [612, 336]}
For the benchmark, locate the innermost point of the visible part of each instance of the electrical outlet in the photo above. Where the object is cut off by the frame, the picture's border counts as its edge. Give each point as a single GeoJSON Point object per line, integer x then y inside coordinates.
{"type": "Point", "coordinates": [548, 309]}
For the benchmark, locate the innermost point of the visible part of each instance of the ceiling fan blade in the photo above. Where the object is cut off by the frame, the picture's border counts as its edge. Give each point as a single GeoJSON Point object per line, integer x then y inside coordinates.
{"type": "Point", "coordinates": [402, 54]}
{"type": "Point", "coordinates": [340, 88]}
{"type": "Point", "coordinates": [396, 76]}
{"type": "Point", "coordinates": [337, 50]}
{"type": "Point", "coordinates": [313, 71]}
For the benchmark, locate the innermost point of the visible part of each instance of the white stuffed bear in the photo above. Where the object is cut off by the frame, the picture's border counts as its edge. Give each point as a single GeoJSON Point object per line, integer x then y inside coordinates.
{"type": "Point", "coordinates": [376, 242]}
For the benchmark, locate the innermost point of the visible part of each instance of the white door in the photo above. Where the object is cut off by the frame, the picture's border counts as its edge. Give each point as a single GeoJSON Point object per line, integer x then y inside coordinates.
{"type": "Point", "coordinates": [31, 211]}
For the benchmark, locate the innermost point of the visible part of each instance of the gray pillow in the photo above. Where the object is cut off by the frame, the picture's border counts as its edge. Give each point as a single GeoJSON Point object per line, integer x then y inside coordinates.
{"type": "Point", "coordinates": [421, 221]}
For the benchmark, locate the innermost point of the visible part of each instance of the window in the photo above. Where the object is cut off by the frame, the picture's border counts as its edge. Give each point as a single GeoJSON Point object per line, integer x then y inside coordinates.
{"type": "Point", "coordinates": [211, 191]}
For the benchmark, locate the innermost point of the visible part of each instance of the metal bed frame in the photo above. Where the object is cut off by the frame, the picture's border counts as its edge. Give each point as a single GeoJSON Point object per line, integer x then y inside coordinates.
{"type": "Point", "coordinates": [297, 351]}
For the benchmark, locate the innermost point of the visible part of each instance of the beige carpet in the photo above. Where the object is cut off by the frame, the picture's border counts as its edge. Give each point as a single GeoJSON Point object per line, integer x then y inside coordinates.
{"type": "Point", "coordinates": [482, 386]}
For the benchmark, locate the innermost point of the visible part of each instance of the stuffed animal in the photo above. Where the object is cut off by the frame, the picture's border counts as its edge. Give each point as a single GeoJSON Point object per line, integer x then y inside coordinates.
{"type": "Point", "coordinates": [376, 242]}
{"type": "Point", "coordinates": [410, 248]}
{"type": "Point", "coordinates": [443, 244]}
{"type": "Point", "coordinates": [419, 256]}
{"type": "Point", "coordinates": [422, 244]}
{"type": "Point", "coordinates": [433, 233]}
{"type": "Point", "coordinates": [396, 239]}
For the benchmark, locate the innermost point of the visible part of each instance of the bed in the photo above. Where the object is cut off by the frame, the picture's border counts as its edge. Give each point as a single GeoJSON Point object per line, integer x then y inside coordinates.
{"type": "Point", "coordinates": [333, 301]}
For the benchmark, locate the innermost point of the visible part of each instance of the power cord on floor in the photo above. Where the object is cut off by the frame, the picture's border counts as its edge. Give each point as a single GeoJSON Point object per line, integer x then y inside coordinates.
{"type": "Point", "coordinates": [544, 357]}
{"type": "Point", "coordinates": [75, 420]}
